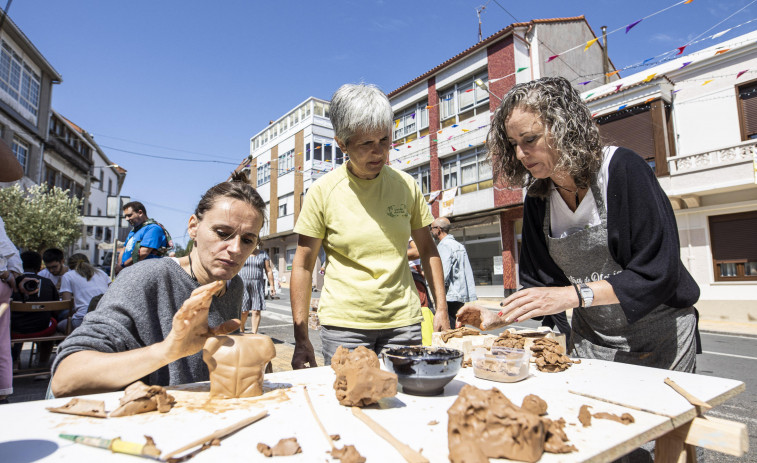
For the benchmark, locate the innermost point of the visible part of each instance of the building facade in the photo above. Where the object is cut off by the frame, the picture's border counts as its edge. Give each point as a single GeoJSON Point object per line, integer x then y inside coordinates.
{"type": "Point", "coordinates": [694, 119]}
{"type": "Point", "coordinates": [285, 159]}
{"type": "Point", "coordinates": [441, 121]}
{"type": "Point", "coordinates": [26, 83]}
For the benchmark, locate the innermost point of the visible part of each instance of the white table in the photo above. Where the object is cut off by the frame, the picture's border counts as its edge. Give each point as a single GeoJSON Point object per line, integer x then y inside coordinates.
{"type": "Point", "coordinates": [30, 433]}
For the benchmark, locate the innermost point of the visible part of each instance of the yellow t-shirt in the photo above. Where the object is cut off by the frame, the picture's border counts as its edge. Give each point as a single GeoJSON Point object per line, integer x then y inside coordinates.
{"type": "Point", "coordinates": [365, 226]}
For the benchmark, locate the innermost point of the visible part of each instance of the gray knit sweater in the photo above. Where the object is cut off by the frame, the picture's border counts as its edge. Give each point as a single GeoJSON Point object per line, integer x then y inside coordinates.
{"type": "Point", "coordinates": [137, 311]}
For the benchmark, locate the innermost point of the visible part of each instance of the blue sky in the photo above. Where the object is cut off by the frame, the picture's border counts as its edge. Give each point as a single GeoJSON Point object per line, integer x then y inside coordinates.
{"type": "Point", "coordinates": [196, 80]}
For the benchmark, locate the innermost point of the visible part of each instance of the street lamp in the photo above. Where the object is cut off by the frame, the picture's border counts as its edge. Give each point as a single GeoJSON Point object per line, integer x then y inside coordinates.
{"type": "Point", "coordinates": [485, 88]}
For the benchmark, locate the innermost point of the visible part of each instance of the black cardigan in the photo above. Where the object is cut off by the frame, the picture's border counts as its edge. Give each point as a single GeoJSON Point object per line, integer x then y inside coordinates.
{"type": "Point", "coordinates": [642, 237]}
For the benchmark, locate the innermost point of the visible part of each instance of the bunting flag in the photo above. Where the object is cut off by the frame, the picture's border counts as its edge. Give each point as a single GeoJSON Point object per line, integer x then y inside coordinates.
{"type": "Point", "coordinates": [590, 43]}
{"type": "Point", "coordinates": [521, 69]}
{"type": "Point", "coordinates": [741, 73]}
{"type": "Point", "coordinates": [650, 77]}
{"type": "Point", "coordinates": [647, 60]}
{"type": "Point", "coordinates": [631, 26]}
{"type": "Point", "coordinates": [720, 52]}
{"type": "Point", "coordinates": [585, 83]}
{"type": "Point", "coordinates": [649, 100]}
{"type": "Point", "coordinates": [610, 74]}
{"type": "Point", "coordinates": [552, 57]}
{"type": "Point", "coordinates": [396, 123]}
{"type": "Point", "coordinates": [589, 95]}
{"type": "Point", "coordinates": [618, 87]}
{"type": "Point", "coordinates": [687, 2]}
{"type": "Point", "coordinates": [622, 107]}
{"type": "Point", "coordinates": [685, 64]}
{"type": "Point", "coordinates": [680, 49]}
{"type": "Point", "coordinates": [707, 82]}
{"type": "Point", "coordinates": [465, 130]}
{"type": "Point", "coordinates": [720, 33]}
{"type": "Point", "coordinates": [454, 149]}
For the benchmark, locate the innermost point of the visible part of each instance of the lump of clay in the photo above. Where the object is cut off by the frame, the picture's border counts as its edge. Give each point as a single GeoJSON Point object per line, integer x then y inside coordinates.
{"type": "Point", "coordinates": [550, 356]}
{"type": "Point", "coordinates": [511, 340]}
{"type": "Point", "coordinates": [359, 380]}
{"type": "Point", "coordinates": [284, 448]}
{"type": "Point", "coordinates": [584, 415]}
{"type": "Point", "coordinates": [446, 335]}
{"type": "Point", "coordinates": [237, 363]}
{"type": "Point", "coordinates": [82, 407]}
{"type": "Point", "coordinates": [534, 404]}
{"type": "Point", "coordinates": [141, 398]}
{"type": "Point", "coordinates": [625, 418]}
{"type": "Point", "coordinates": [485, 424]}
{"type": "Point", "coordinates": [557, 440]}
{"type": "Point", "coordinates": [348, 454]}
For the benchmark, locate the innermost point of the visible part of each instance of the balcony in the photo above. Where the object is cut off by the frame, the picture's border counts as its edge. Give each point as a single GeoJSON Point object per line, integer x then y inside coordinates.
{"type": "Point", "coordinates": [726, 169]}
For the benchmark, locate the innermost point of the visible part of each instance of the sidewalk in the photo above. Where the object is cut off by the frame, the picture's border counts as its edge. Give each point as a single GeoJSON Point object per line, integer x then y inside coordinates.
{"type": "Point", "coordinates": [728, 327]}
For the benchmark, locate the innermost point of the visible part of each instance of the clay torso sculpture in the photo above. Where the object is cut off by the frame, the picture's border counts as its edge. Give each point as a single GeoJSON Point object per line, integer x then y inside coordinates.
{"type": "Point", "coordinates": [236, 364]}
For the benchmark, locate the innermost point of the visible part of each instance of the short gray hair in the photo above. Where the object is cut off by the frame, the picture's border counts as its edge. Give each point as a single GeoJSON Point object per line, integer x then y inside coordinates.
{"type": "Point", "coordinates": [359, 107]}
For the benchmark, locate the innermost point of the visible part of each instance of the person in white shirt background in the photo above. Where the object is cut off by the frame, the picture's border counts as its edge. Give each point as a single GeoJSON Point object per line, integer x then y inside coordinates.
{"type": "Point", "coordinates": [55, 266]}
{"type": "Point", "coordinates": [81, 283]}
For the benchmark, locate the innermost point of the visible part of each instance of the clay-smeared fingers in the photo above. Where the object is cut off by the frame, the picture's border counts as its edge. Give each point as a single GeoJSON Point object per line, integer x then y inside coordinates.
{"type": "Point", "coordinates": [469, 314]}
{"type": "Point", "coordinates": [226, 327]}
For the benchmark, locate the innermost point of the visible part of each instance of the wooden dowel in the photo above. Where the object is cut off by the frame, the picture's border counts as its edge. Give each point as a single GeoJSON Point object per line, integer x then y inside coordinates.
{"type": "Point", "coordinates": [688, 396]}
{"type": "Point", "coordinates": [320, 425]}
{"type": "Point", "coordinates": [219, 434]}
{"type": "Point", "coordinates": [410, 455]}
{"type": "Point", "coordinates": [632, 407]}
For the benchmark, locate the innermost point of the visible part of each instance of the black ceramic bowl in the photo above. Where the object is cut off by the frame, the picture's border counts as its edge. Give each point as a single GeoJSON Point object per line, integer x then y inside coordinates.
{"type": "Point", "coordinates": [423, 370]}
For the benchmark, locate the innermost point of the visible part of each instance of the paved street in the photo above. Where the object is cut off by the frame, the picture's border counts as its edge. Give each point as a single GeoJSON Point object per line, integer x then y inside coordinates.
{"type": "Point", "coordinates": [725, 355]}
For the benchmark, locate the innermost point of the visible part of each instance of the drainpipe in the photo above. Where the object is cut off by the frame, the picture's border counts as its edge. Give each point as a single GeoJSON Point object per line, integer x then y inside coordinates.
{"type": "Point", "coordinates": [605, 58]}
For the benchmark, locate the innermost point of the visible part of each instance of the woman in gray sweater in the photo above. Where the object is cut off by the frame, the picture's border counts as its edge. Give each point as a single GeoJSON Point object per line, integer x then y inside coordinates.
{"type": "Point", "coordinates": [154, 319]}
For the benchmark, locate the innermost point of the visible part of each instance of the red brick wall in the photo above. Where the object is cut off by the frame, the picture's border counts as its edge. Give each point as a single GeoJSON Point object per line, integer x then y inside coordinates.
{"type": "Point", "coordinates": [433, 127]}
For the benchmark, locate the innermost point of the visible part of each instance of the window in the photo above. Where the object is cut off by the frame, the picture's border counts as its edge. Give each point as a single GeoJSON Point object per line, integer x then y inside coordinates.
{"type": "Point", "coordinates": [470, 170]}
{"type": "Point", "coordinates": [65, 183]}
{"type": "Point", "coordinates": [18, 79]}
{"type": "Point", "coordinates": [734, 249]}
{"type": "Point", "coordinates": [422, 176]}
{"type": "Point", "coordinates": [631, 128]}
{"type": "Point", "coordinates": [264, 173]}
{"type": "Point", "coordinates": [286, 162]}
{"type": "Point", "coordinates": [317, 151]}
{"type": "Point", "coordinates": [286, 204]}
{"type": "Point", "coordinates": [51, 176]}
{"type": "Point", "coordinates": [747, 95]}
{"type": "Point", "coordinates": [307, 151]}
{"type": "Point", "coordinates": [463, 100]}
{"type": "Point", "coordinates": [98, 233]}
{"type": "Point", "coordinates": [318, 108]}
{"type": "Point", "coordinates": [110, 186]}
{"type": "Point", "coordinates": [338, 155]}
{"type": "Point", "coordinates": [411, 123]}
{"type": "Point", "coordinates": [21, 150]}
{"type": "Point", "coordinates": [102, 185]}
{"type": "Point", "coordinates": [108, 235]}
{"type": "Point", "coordinates": [290, 256]}
{"type": "Point", "coordinates": [89, 209]}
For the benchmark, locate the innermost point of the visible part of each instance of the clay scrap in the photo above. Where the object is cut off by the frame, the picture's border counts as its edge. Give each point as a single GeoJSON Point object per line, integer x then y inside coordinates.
{"type": "Point", "coordinates": [585, 416]}
{"type": "Point", "coordinates": [534, 404]}
{"type": "Point", "coordinates": [141, 398]}
{"type": "Point", "coordinates": [82, 407]}
{"type": "Point", "coordinates": [485, 424]}
{"type": "Point", "coordinates": [550, 356]}
{"type": "Point", "coordinates": [510, 339]}
{"type": "Point", "coordinates": [458, 333]}
{"type": "Point", "coordinates": [348, 454]}
{"type": "Point", "coordinates": [284, 448]}
{"type": "Point", "coordinates": [359, 379]}
{"type": "Point", "coordinates": [237, 363]}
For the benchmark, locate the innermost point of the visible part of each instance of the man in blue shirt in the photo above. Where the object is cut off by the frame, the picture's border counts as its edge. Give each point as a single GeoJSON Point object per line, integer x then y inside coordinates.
{"type": "Point", "coordinates": [147, 240]}
{"type": "Point", "coordinates": [458, 274]}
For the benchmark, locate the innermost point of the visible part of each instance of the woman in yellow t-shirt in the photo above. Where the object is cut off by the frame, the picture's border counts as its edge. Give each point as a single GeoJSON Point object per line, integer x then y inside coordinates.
{"type": "Point", "coordinates": [363, 214]}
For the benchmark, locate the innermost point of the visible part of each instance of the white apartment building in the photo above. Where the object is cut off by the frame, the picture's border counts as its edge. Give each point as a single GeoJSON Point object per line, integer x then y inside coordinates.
{"type": "Point", "coordinates": [694, 119]}
{"type": "Point", "coordinates": [285, 159]}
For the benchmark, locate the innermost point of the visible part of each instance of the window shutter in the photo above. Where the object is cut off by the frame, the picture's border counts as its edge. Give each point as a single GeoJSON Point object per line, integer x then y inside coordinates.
{"type": "Point", "coordinates": [633, 131]}
{"type": "Point", "coordinates": [733, 236]}
{"type": "Point", "coordinates": [748, 101]}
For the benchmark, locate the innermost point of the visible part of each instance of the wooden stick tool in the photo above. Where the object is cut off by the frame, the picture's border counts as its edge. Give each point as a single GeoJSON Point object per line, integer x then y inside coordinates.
{"type": "Point", "coordinates": [317, 420]}
{"type": "Point", "coordinates": [688, 396]}
{"type": "Point", "coordinates": [410, 455]}
{"type": "Point", "coordinates": [219, 434]}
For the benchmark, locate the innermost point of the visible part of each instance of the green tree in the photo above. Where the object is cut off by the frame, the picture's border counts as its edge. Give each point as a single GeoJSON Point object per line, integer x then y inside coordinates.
{"type": "Point", "coordinates": [39, 217]}
{"type": "Point", "coordinates": [182, 251]}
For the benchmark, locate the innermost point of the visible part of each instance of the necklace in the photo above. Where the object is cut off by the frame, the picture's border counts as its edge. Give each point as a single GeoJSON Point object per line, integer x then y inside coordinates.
{"type": "Point", "coordinates": [191, 270]}
{"type": "Point", "coordinates": [575, 192]}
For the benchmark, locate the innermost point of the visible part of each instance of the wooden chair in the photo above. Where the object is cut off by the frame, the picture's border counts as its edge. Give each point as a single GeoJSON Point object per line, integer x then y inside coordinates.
{"type": "Point", "coordinates": [53, 306]}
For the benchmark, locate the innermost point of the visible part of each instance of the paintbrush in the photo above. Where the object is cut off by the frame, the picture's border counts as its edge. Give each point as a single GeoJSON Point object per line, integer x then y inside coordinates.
{"type": "Point", "coordinates": [146, 450]}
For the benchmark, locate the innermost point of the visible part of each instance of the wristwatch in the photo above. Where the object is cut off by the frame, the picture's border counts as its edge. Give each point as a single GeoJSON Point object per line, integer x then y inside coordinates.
{"type": "Point", "coordinates": [587, 295]}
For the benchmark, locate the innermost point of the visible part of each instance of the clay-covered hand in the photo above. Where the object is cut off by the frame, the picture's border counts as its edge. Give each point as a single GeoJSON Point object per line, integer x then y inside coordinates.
{"type": "Point", "coordinates": [303, 356]}
{"type": "Point", "coordinates": [480, 317]}
{"type": "Point", "coordinates": [190, 324]}
{"type": "Point", "coordinates": [441, 320]}
{"type": "Point", "coordinates": [22, 286]}
{"type": "Point", "coordinates": [537, 301]}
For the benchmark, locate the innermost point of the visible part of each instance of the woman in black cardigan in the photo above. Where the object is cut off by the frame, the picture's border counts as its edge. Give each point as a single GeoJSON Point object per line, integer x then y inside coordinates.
{"type": "Point", "coordinates": [599, 235]}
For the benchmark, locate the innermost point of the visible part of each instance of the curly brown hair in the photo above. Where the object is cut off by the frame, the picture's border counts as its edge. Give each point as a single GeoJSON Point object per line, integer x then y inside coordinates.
{"type": "Point", "coordinates": [567, 121]}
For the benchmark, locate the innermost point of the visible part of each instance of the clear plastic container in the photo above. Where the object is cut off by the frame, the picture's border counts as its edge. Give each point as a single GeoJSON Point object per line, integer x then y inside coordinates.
{"type": "Point", "coordinates": [502, 364]}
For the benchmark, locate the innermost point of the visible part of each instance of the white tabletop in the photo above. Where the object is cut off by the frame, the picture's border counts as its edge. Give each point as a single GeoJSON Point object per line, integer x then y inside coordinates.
{"type": "Point", "coordinates": [30, 432]}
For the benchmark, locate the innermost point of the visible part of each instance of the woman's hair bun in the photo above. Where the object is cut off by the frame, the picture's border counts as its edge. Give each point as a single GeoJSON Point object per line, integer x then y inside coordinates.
{"type": "Point", "coordinates": [239, 177]}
